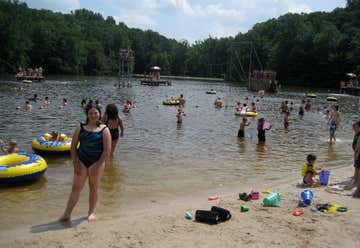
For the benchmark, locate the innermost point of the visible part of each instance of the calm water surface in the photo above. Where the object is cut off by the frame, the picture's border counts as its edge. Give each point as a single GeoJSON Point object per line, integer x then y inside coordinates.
{"type": "Point", "coordinates": [157, 158]}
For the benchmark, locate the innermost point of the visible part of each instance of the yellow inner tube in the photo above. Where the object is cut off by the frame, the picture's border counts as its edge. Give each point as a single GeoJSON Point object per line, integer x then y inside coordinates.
{"type": "Point", "coordinates": [331, 98]}
{"type": "Point", "coordinates": [21, 166]}
{"type": "Point", "coordinates": [171, 102]}
{"type": "Point", "coordinates": [211, 92]}
{"type": "Point", "coordinates": [312, 95]}
{"type": "Point", "coordinates": [43, 143]}
{"type": "Point", "coordinates": [247, 113]}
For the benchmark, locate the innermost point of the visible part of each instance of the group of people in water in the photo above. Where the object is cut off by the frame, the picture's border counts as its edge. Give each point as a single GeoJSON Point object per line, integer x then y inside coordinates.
{"type": "Point", "coordinates": [32, 72]}
{"type": "Point", "coordinates": [45, 103]}
{"type": "Point", "coordinates": [332, 115]}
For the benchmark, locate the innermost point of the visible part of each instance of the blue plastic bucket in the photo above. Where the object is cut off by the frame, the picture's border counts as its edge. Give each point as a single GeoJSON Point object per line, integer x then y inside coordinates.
{"type": "Point", "coordinates": [307, 196]}
{"type": "Point", "coordinates": [324, 177]}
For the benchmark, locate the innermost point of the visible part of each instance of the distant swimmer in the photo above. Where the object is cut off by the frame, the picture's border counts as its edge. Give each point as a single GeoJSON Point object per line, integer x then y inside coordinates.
{"type": "Point", "coordinates": [243, 124]}
{"type": "Point", "coordinates": [218, 103]}
{"type": "Point", "coordinates": [261, 93]}
{"type": "Point", "coordinates": [181, 101]}
{"type": "Point", "coordinates": [334, 121]}
{"type": "Point", "coordinates": [127, 106]}
{"type": "Point", "coordinates": [83, 104]}
{"type": "Point", "coordinates": [308, 105]}
{"type": "Point", "coordinates": [262, 127]}
{"type": "Point", "coordinates": [179, 115]}
{"type": "Point", "coordinates": [287, 119]}
{"type": "Point", "coordinates": [238, 107]}
{"type": "Point", "coordinates": [97, 104]}
{"type": "Point", "coordinates": [13, 147]}
{"type": "Point", "coordinates": [302, 108]}
{"type": "Point", "coordinates": [34, 98]}
{"type": "Point", "coordinates": [45, 103]}
{"type": "Point", "coordinates": [253, 107]}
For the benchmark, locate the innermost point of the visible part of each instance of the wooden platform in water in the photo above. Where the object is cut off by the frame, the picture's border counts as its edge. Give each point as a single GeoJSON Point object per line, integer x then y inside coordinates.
{"type": "Point", "coordinates": [32, 78]}
{"type": "Point", "coordinates": [155, 82]}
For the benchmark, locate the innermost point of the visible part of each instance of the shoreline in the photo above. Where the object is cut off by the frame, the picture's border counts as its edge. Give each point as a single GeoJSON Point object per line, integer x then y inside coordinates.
{"type": "Point", "coordinates": [162, 223]}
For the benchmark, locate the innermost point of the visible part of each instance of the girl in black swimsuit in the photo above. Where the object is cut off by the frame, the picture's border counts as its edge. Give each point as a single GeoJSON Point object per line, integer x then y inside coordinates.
{"type": "Point", "coordinates": [113, 121]}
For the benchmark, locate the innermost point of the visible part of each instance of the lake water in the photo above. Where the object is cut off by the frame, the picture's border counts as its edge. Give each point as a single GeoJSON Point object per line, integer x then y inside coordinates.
{"type": "Point", "coordinates": [158, 159]}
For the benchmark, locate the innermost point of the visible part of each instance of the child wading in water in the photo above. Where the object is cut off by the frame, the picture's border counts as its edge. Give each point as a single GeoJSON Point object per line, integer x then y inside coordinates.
{"type": "Point", "coordinates": [243, 124]}
{"type": "Point", "coordinates": [261, 130]}
{"type": "Point", "coordinates": [309, 170]}
{"type": "Point", "coordinates": [334, 122]}
{"type": "Point", "coordinates": [179, 115]}
{"type": "Point", "coordinates": [286, 119]}
{"type": "Point", "coordinates": [13, 147]}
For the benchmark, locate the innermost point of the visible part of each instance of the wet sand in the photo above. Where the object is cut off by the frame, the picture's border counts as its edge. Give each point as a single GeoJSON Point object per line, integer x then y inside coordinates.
{"type": "Point", "coordinates": [162, 224]}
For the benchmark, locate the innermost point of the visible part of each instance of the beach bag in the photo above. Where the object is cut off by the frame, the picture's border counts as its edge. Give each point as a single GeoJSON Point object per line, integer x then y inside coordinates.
{"type": "Point", "coordinates": [206, 216]}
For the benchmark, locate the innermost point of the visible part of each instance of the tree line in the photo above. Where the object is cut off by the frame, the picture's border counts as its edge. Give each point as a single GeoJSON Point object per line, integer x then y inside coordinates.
{"type": "Point", "coordinates": [315, 49]}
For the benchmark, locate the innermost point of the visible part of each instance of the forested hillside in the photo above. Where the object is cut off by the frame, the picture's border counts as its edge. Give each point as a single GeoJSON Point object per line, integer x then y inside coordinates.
{"type": "Point", "coordinates": [305, 49]}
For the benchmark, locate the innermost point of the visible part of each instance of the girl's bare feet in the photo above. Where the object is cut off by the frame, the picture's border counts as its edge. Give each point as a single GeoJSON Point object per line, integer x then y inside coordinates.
{"type": "Point", "coordinates": [92, 217]}
{"type": "Point", "coordinates": [64, 218]}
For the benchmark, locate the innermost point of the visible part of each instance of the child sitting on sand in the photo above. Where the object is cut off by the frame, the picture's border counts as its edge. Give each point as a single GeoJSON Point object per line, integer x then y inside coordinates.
{"type": "Point", "coordinates": [243, 124]}
{"type": "Point", "coordinates": [309, 170]}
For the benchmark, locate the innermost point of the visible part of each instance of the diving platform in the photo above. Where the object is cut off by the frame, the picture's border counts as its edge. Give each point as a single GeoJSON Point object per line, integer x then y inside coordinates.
{"type": "Point", "coordinates": [155, 82]}
{"type": "Point", "coordinates": [32, 78]}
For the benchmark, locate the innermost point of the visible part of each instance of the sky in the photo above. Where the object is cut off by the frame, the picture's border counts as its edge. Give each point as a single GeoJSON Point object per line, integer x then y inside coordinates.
{"type": "Point", "coordinates": [190, 19]}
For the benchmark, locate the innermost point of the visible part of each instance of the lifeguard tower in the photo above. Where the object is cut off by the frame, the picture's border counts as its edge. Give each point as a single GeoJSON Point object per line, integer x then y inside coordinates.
{"type": "Point", "coordinates": [126, 66]}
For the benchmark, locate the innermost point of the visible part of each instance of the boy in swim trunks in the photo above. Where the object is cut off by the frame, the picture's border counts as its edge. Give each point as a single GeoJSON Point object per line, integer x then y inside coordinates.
{"type": "Point", "coordinates": [334, 121]}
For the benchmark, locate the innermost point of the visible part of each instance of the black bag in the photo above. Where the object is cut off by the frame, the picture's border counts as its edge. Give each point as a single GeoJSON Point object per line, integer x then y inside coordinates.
{"type": "Point", "coordinates": [224, 214]}
{"type": "Point", "coordinates": [209, 217]}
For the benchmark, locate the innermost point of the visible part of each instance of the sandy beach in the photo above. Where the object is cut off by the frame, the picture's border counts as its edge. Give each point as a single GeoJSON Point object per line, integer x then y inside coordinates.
{"type": "Point", "coordinates": [162, 223]}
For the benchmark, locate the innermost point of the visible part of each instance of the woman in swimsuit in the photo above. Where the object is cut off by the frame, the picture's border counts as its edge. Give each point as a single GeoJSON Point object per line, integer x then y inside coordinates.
{"type": "Point", "coordinates": [88, 160]}
{"type": "Point", "coordinates": [113, 121]}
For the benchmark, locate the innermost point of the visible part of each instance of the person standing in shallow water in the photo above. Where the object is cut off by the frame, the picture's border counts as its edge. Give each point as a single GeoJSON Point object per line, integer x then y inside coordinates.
{"type": "Point", "coordinates": [88, 160]}
{"type": "Point", "coordinates": [113, 121]}
{"type": "Point", "coordinates": [334, 122]}
{"type": "Point", "coordinates": [182, 101]}
{"type": "Point", "coordinates": [356, 148]}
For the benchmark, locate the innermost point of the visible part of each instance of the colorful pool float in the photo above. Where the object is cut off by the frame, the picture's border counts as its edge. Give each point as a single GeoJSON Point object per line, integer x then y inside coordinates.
{"type": "Point", "coordinates": [331, 99]}
{"type": "Point", "coordinates": [43, 145]}
{"type": "Point", "coordinates": [247, 113]}
{"type": "Point", "coordinates": [171, 102]}
{"type": "Point", "coordinates": [311, 95]}
{"type": "Point", "coordinates": [20, 167]}
{"type": "Point", "coordinates": [211, 92]}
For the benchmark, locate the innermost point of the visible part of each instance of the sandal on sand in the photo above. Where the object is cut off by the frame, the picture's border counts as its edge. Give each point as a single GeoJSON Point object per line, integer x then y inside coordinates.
{"type": "Point", "coordinates": [244, 197]}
